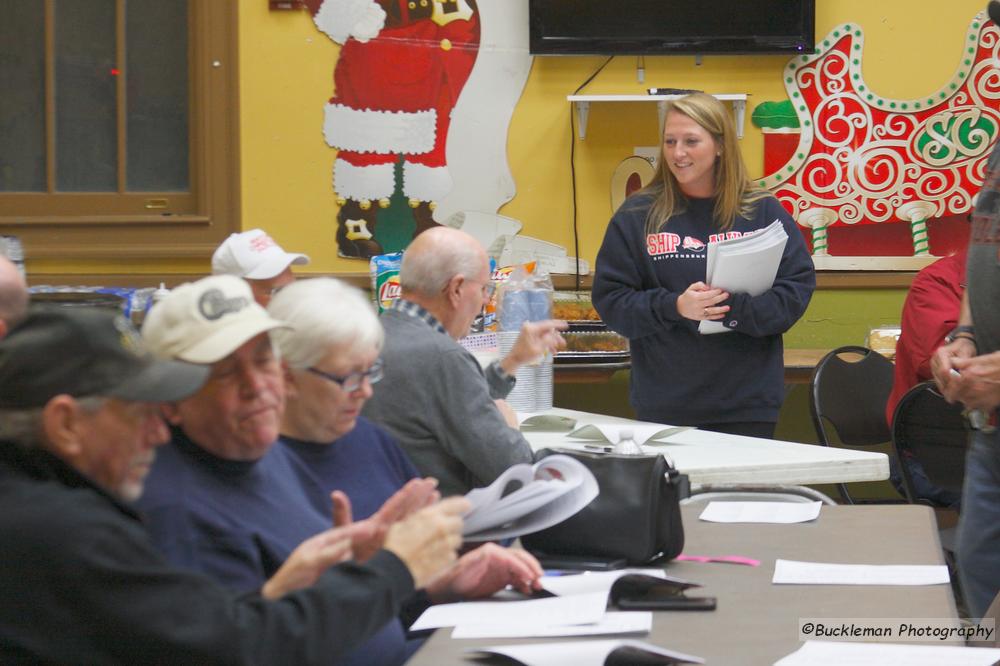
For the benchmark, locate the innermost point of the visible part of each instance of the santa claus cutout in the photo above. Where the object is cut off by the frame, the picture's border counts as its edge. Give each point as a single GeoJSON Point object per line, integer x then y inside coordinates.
{"type": "Point", "coordinates": [402, 66]}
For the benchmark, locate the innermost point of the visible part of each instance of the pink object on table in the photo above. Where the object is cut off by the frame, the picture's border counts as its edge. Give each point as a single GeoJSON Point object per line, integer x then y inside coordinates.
{"type": "Point", "coordinates": [725, 559]}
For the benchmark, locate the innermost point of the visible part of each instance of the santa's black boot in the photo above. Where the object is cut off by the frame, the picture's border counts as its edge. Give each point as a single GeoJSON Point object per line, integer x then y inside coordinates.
{"type": "Point", "coordinates": [423, 216]}
{"type": "Point", "coordinates": [356, 228]}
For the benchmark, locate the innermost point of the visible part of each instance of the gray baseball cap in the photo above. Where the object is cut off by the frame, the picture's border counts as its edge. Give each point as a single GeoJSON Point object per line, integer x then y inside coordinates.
{"type": "Point", "coordinates": [86, 352]}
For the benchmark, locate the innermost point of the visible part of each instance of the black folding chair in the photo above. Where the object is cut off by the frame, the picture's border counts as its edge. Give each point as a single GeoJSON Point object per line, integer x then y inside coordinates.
{"type": "Point", "coordinates": [931, 438]}
{"type": "Point", "coordinates": [850, 387]}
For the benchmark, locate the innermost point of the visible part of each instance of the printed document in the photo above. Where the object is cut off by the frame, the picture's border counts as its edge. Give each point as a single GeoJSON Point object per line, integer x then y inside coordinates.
{"type": "Point", "coordinates": [590, 653]}
{"type": "Point", "coordinates": [831, 653]}
{"type": "Point", "coordinates": [790, 572]}
{"type": "Point", "coordinates": [624, 622]}
{"type": "Point", "coordinates": [761, 512]}
{"type": "Point", "coordinates": [574, 609]}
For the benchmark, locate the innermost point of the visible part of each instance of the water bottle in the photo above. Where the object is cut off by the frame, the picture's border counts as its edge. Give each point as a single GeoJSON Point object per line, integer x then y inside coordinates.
{"type": "Point", "coordinates": [526, 296]}
{"type": "Point", "coordinates": [161, 293]}
{"type": "Point", "coordinates": [627, 445]}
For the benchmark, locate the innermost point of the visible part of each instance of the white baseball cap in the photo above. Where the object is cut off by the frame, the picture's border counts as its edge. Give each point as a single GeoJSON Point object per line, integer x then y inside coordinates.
{"type": "Point", "coordinates": [253, 255]}
{"type": "Point", "coordinates": [206, 321]}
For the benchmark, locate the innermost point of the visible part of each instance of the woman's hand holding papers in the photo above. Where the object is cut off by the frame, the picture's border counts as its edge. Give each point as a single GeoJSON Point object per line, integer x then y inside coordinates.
{"type": "Point", "coordinates": [700, 302]}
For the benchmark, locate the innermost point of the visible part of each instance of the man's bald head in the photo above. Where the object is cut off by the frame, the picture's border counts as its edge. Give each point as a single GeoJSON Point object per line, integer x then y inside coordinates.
{"type": "Point", "coordinates": [13, 296]}
{"type": "Point", "coordinates": [435, 257]}
{"type": "Point", "coordinates": [447, 272]}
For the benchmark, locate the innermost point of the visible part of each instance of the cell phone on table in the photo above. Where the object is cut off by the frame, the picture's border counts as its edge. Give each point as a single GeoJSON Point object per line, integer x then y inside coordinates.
{"type": "Point", "coordinates": [678, 602]}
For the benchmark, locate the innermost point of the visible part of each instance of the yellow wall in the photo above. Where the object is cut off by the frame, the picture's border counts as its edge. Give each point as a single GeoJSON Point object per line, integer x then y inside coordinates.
{"type": "Point", "coordinates": [286, 77]}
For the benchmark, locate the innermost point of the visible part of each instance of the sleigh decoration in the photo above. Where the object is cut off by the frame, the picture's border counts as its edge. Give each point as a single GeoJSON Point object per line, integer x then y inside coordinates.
{"type": "Point", "coordinates": [856, 158]}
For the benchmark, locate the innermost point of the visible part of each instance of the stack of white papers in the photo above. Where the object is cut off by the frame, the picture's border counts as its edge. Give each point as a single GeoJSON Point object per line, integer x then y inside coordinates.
{"type": "Point", "coordinates": [578, 610]}
{"type": "Point", "coordinates": [551, 490]}
{"type": "Point", "coordinates": [747, 264]}
{"type": "Point", "coordinates": [761, 512]}
{"type": "Point", "coordinates": [828, 653]}
{"type": "Point", "coordinates": [790, 572]}
{"type": "Point", "coordinates": [590, 653]}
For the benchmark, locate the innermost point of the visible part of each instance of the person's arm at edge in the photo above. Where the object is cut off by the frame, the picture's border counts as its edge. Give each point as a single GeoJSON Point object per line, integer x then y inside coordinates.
{"type": "Point", "coordinates": [927, 318]}
{"type": "Point", "coordinates": [941, 361]}
{"type": "Point", "coordinates": [151, 611]}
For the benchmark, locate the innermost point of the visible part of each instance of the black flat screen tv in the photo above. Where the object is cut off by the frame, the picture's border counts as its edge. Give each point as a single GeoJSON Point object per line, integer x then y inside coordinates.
{"type": "Point", "coordinates": [671, 27]}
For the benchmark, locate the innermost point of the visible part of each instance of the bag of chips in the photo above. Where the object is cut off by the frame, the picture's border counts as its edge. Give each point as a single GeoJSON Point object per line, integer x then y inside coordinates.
{"type": "Point", "coordinates": [384, 270]}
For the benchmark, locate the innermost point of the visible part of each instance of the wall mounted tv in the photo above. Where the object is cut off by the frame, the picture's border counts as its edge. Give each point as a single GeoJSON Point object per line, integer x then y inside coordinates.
{"type": "Point", "coordinates": [671, 27]}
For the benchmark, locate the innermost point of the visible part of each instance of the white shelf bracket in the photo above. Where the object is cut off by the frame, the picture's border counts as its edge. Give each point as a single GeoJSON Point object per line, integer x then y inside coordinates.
{"type": "Point", "coordinates": [740, 108]}
{"type": "Point", "coordinates": [582, 111]}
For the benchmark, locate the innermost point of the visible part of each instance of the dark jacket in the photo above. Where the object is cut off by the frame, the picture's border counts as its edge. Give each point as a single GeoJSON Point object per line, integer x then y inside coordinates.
{"type": "Point", "coordinates": [679, 376]}
{"type": "Point", "coordinates": [81, 583]}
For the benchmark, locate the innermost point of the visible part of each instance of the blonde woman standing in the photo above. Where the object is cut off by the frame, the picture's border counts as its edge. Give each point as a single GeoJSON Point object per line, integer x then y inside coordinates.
{"type": "Point", "coordinates": [649, 283]}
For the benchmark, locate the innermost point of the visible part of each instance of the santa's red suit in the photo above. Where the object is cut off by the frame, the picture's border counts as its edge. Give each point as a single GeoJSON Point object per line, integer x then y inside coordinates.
{"type": "Point", "coordinates": [401, 68]}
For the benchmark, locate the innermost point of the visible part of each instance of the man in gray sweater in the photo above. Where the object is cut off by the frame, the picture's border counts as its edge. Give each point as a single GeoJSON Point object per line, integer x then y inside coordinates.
{"type": "Point", "coordinates": [445, 410]}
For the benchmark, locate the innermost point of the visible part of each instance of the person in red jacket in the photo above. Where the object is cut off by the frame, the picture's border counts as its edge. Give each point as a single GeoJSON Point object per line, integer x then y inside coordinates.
{"type": "Point", "coordinates": [930, 312]}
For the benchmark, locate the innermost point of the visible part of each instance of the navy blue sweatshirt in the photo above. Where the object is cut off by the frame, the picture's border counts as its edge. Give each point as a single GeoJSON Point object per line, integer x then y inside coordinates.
{"type": "Point", "coordinates": [238, 521]}
{"type": "Point", "coordinates": [679, 376]}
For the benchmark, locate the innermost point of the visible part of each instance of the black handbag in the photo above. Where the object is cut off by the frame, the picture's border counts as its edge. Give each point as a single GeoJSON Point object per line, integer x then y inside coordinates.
{"type": "Point", "coordinates": [636, 516]}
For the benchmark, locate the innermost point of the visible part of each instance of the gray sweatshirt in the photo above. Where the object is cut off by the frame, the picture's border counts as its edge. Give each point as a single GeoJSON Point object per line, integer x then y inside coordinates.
{"type": "Point", "coordinates": [438, 404]}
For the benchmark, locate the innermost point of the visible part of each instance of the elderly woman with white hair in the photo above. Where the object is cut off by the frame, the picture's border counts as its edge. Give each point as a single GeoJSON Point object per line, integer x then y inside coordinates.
{"type": "Point", "coordinates": [332, 356]}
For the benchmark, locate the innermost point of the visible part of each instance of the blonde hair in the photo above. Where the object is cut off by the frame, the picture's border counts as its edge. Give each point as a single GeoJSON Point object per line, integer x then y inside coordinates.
{"type": "Point", "coordinates": [735, 195]}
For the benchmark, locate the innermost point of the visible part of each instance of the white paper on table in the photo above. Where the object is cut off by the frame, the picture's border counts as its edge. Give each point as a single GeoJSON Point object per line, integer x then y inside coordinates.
{"type": "Point", "coordinates": [624, 622]}
{"type": "Point", "coordinates": [575, 609]}
{"type": "Point", "coordinates": [831, 653]}
{"type": "Point", "coordinates": [747, 264]}
{"type": "Point", "coordinates": [590, 582]}
{"type": "Point", "coordinates": [761, 512]}
{"type": "Point", "coordinates": [585, 653]}
{"type": "Point", "coordinates": [551, 490]}
{"type": "Point", "coordinates": [611, 432]}
{"type": "Point", "coordinates": [821, 573]}
{"type": "Point", "coordinates": [545, 422]}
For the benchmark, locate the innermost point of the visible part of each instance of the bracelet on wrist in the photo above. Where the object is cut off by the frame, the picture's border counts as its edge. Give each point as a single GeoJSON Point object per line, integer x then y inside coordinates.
{"type": "Point", "coordinates": [963, 331]}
